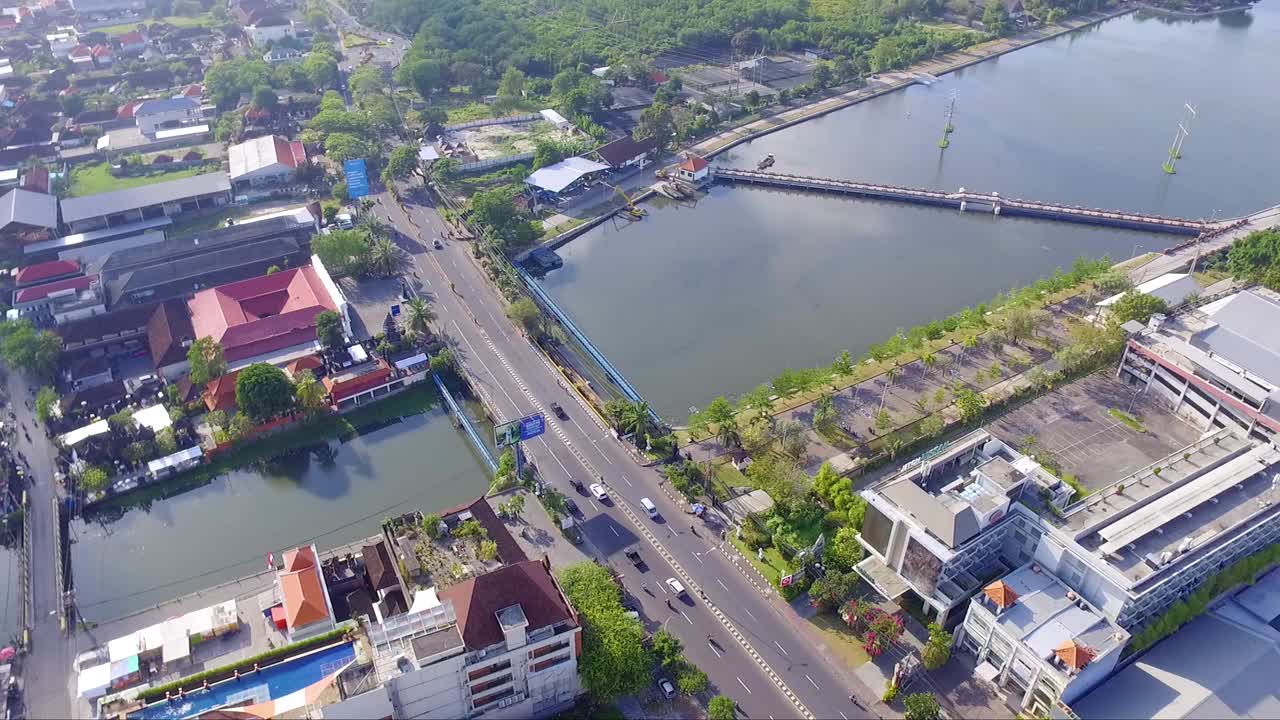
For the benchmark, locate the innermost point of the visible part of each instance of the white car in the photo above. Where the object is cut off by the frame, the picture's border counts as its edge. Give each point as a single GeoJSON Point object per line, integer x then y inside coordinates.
{"type": "Point", "coordinates": [598, 490]}
{"type": "Point", "coordinates": [668, 690]}
{"type": "Point", "coordinates": [676, 588]}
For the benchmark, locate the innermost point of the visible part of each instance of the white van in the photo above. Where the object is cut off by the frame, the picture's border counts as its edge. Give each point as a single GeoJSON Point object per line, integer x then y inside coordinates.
{"type": "Point", "coordinates": [649, 507]}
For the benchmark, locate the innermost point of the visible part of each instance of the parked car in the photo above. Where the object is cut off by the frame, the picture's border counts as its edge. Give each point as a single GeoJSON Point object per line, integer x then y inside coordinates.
{"type": "Point", "coordinates": [668, 690]}
{"type": "Point", "coordinates": [571, 506]}
{"type": "Point", "coordinates": [599, 492]}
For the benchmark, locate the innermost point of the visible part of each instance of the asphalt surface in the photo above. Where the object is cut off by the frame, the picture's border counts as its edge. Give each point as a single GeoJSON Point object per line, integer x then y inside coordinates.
{"type": "Point", "coordinates": [515, 380]}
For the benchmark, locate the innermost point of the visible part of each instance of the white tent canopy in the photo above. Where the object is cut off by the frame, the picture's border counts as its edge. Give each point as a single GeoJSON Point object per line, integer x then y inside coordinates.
{"type": "Point", "coordinates": [175, 460]}
{"type": "Point", "coordinates": [555, 178]}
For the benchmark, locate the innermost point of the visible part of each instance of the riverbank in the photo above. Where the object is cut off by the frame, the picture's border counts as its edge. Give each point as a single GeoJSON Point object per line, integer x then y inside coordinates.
{"type": "Point", "coordinates": [1195, 14]}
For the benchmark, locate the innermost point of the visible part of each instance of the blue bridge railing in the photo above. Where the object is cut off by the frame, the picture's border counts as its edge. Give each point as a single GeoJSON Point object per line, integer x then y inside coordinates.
{"type": "Point", "coordinates": [466, 424]}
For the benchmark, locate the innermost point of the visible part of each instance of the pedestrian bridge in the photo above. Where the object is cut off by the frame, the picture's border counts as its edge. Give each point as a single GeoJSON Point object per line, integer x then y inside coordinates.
{"type": "Point", "coordinates": [965, 200]}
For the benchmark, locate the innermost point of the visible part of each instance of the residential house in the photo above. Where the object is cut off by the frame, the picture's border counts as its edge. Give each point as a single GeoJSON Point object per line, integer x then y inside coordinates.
{"type": "Point", "coordinates": [81, 56]}
{"type": "Point", "coordinates": [267, 160]}
{"type": "Point", "coordinates": [162, 113]}
{"type": "Point", "coordinates": [694, 170]}
{"type": "Point", "coordinates": [281, 55]}
{"type": "Point", "coordinates": [305, 610]}
{"type": "Point", "coordinates": [102, 56]}
{"type": "Point", "coordinates": [60, 301]}
{"type": "Point", "coordinates": [626, 152]}
{"type": "Point", "coordinates": [61, 43]}
{"type": "Point", "coordinates": [134, 42]}
{"type": "Point", "coordinates": [269, 318]}
{"type": "Point", "coordinates": [89, 7]}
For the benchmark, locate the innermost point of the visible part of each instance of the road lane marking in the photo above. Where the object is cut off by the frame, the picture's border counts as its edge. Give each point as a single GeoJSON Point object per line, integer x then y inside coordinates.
{"type": "Point", "coordinates": [726, 589]}
{"type": "Point", "coordinates": [615, 531]}
{"type": "Point", "coordinates": [744, 686]}
{"type": "Point", "coordinates": [594, 506]}
{"type": "Point", "coordinates": [628, 482]}
{"type": "Point", "coordinates": [784, 652]}
{"type": "Point", "coordinates": [753, 617]}
{"type": "Point", "coordinates": [698, 558]}
{"type": "Point", "coordinates": [686, 617]}
{"type": "Point", "coordinates": [846, 717]}
{"type": "Point", "coordinates": [811, 682]}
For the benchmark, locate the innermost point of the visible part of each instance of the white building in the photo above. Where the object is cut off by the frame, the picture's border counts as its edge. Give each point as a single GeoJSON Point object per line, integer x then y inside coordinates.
{"type": "Point", "coordinates": [160, 113]}
{"type": "Point", "coordinates": [271, 29]}
{"type": "Point", "coordinates": [62, 42]}
{"type": "Point", "coordinates": [1172, 288]}
{"type": "Point", "coordinates": [503, 645]}
{"type": "Point", "coordinates": [266, 160]}
{"type": "Point", "coordinates": [694, 169]}
{"type": "Point", "coordinates": [556, 119]}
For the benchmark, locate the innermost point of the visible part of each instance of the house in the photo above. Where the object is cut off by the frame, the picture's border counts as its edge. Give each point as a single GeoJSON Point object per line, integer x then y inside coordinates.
{"type": "Point", "coordinates": [504, 644]}
{"type": "Point", "coordinates": [694, 169]}
{"type": "Point", "coordinates": [60, 301]}
{"type": "Point", "coordinates": [814, 54]}
{"type": "Point", "coordinates": [564, 176]}
{"type": "Point", "coordinates": [169, 336]}
{"type": "Point", "coordinates": [268, 318]}
{"type": "Point", "coordinates": [87, 7]}
{"type": "Point", "coordinates": [1013, 8]}
{"type": "Point", "coordinates": [133, 43]}
{"type": "Point", "coordinates": [1033, 634]}
{"type": "Point", "coordinates": [27, 217]}
{"type": "Point", "coordinates": [627, 152]}
{"type": "Point", "coordinates": [161, 113]}
{"type": "Point", "coordinates": [46, 272]}
{"type": "Point", "coordinates": [220, 393]}
{"type": "Point", "coordinates": [268, 28]}
{"type": "Point", "coordinates": [195, 91]}
{"type": "Point", "coordinates": [161, 330]}
{"type": "Point", "coordinates": [305, 610]}
{"type": "Point", "coordinates": [267, 160]}
{"type": "Point", "coordinates": [102, 56]}
{"type": "Point", "coordinates": [149, 202]}
{"type": "Point", "coordinates": [281, 55]}
{"type": "Point", "coordinates": [81, 56]}
{"type": "Point", "coordinates": [62, 43]}
{"type": "Point", "coordinates": [89, 372]}
{"type": "Point", "coordinates": [35, 179]}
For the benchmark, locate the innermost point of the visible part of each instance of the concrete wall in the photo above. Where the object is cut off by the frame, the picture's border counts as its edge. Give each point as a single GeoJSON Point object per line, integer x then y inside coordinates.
{"type": "Point", "coordinates": [435, 691]}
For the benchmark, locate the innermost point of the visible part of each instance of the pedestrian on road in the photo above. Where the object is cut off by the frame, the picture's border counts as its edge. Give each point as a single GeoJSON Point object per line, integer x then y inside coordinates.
{"type": "Point", "coordinates": [669, 607]}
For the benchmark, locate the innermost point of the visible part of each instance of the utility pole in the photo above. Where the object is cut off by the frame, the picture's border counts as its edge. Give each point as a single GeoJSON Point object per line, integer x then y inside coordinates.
{"type": "Point", "coordinates": [1179, 138]}
{"type": "Point", "coordinates": [1199, 239]}
{"type": "Point", "coordinates": [947, 127]}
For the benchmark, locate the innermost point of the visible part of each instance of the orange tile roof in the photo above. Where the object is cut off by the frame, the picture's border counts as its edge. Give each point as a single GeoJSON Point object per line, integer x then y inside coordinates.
{"type": "Point", "coordinates": [304, 601]}
{"type": "Point", "coordinates": [1001, 594]}
{"type": "Point", "coordinates": [220, 393]}
{"type": "Point", "coordinates": [306, 362]}
{"type": "Point", "coordinates": [1075, 655]}
{"type": "Point", "coordinates": [693, 163]}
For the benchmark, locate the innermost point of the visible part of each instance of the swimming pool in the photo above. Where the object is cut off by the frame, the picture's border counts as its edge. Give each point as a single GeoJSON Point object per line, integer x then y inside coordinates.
{"type": "Point", "coordinates": [268, 684]}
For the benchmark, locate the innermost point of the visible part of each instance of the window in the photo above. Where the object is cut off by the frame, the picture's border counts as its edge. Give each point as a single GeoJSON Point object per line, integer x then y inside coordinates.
{"type": "Point", "coordinates": [490, 699]}
{"type": "Point", "coordinates": [490, 684]}
{"type": "Point", "coordinates": [488, 670]}
{"type": "Point", "coordinates": [548, 649]}
{"type": "Point", "coordinates": [543, 665]}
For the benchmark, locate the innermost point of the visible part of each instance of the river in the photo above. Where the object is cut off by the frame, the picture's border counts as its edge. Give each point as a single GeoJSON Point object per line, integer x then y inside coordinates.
{"type": "Point", "coordinates": [223, 530]}
{"type": "Point", "coordinates": [693, 302]}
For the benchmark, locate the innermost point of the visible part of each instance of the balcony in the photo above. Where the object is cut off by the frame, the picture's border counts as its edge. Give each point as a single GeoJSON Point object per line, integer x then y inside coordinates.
{"type": "Point", "coordinates": [488, 670]}
{"type": "Point", "coordinates": [548, 649]}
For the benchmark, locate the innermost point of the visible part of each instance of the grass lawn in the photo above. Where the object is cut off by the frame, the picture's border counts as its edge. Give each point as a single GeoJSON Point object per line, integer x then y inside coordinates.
{"type": "Point", "coordinates": [469, 112]}
{"type": "Point", "coordinates": [96, 178]}
{"type": "Point", "coordinates": [773, 567]}
{"type": "Point", "coordinates": [840, 638]}
{"type": "Point", "coordinates": [564, 227]}
{"type": "Point", "coordinates": [1208, 277]}
{"type": "Point", "coordinates": [201, 223]}
{"type": "Point", "coordinates": [352, 40]}
{"type": "Point", "coordinates": [1127, 419]}
{"type": "Point", "coordinates": [174, 20]}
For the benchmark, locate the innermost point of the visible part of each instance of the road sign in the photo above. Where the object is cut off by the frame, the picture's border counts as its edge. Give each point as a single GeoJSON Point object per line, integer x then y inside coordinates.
{"type": "Point", "coordinates": [357, 178]}
{"type": "Point", "coordinates": [395, 311]}
{"type": "Point", "coordinates": [526, 428]}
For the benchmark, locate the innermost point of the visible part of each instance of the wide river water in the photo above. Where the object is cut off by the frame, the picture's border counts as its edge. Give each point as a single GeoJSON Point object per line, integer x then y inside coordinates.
{"type": "Point", "coordinates": [694, 302]}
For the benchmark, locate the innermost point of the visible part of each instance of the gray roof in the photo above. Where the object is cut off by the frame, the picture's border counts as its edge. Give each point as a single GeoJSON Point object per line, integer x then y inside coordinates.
{"type": "Point", "coordinates": [1247, 333]}
{"type": "Point", "coordinates": [164, 105]}
{"type": "Point", "coordinates": [206, 242]}
{"type": "Point", "coordinates": [28, 208]}
{"type": "Point", "coordinates": [81, 208]}
{"type": "Point", "coordinates": [1212, 668]}
{"type": "Point", "coordinates": [199, 266]}
{"type": "Point", "coordinates": [952, 523]}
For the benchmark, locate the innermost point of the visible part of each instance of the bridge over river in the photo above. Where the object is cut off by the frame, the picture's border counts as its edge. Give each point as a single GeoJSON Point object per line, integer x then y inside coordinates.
{"type": "Point", "coordinates": [986, 202]}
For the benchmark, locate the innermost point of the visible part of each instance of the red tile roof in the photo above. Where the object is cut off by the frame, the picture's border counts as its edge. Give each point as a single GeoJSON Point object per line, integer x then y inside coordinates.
{"type": "Point", "coordinates": [693, 163]}
{"type": "Point", "coordinates": [262, 314]}
{"type": "Point", "coordinates": [342, 387]}
{"type": "Point", "coordinates": [126, 110]}
{"type": "Point", "coordinates": [304, 600]}
{"type": "Point", "coordinates": [193, 90]}
{"type": "Point", "coordinates": [168, 329]}
{"type": "Point", "coordinates": [101, 51]}
{"type": "Point", "coordinates": [220, 393]}
{"type": "Point", "coordinates": [306, 362]}
{"type": "Point", "coordinates": [40, 292]}
{"type": "Point", "coordinates": [80, 51]}
{"type": "Point", "coordinates": [527, 584]}
{"type": "Point", "coordinates": [44, 271]}
{"type": "Point", "coordinates": [1001, 594]}
{"type": "Point", "coordinates": [132, 37]}
{"type": "Point", "coordinates": [289, 153]}
{"type": "Point", "coordinates": [36, 179]}
{"type": "Point", "coordinates": [658, 77]}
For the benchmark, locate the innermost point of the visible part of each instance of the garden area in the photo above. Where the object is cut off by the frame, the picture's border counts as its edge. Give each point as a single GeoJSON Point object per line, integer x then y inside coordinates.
{"type": "Point", "coordinates": [95, 178]}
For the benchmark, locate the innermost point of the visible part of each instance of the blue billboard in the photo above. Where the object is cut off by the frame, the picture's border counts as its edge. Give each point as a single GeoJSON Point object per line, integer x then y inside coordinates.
{"type": "Point", "coordinates": [532, 426]}
{"type": "Point", "coordinates": [357, 178]}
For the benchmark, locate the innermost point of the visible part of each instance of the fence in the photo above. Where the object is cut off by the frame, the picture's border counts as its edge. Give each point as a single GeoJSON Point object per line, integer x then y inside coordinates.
{"type": "Point", "coordinates": [479, 165]}
{"type": "Point", "coordinates": [509, 120]}
{"type": "Point", "coordinates": [466, 424]}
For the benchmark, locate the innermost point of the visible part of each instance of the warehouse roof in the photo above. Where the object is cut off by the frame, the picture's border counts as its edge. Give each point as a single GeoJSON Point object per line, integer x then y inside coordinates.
{"type": "Point", "coordinates": [28, 208]}
{"type": "Point", "coordinates": [81, 208]}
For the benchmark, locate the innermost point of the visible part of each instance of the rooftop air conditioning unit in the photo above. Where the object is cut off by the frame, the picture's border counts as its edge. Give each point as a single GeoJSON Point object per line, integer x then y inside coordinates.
{"type": "Point", "coordinates": [1184, 546]}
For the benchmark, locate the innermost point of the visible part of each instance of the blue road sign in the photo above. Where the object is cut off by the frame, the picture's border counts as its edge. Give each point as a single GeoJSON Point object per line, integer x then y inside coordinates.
{"type": "Point", "coordinates": [357, 178]}
{"type": "Point", "coordinates": [395, 311]}
{"type": "Point", "coordinates": [532, 426]}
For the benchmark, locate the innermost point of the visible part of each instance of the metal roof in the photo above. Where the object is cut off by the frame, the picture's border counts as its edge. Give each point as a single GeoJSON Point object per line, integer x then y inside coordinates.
{"type": "Point", "coordinates": [1247, 333]}
{"type": "Point", "coordinates": [29, 208]}
{"type": "Point", "coordinates": [164, 105]}
{"type": "Point", "coordinates": [81, 208]}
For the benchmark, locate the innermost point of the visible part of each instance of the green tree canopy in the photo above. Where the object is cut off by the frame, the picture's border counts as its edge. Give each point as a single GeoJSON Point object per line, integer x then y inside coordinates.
{"type": "Point", "coordinates": [343, 252]}
{"type": "Point", "coordinates": [401, 164]}
{"type": "Point", "coordinates": [614, 658]}
{"type": "Point", "coordinates": [309, 392]}
{"type": "Point", "coordinates": [329, 330]}
{"type": "Point", "coordinates": [22, 347]}
{"type": "Point", "coordinates": [923, 705]}
{"type": "Point", "coordinates": [263, 392]}
{"type": "Point", "coordinates": [46, 400]}
{"type": "Point", "coordinates": [1134, 305]}
{"type": "Point", "coordinates": [722, 708]}
{"type": "Point", "coordinates": [526, 314]}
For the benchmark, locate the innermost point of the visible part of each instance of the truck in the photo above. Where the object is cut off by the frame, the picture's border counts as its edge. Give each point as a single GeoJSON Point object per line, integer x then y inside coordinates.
{"type": "Point", "coordinates": [633, 554]}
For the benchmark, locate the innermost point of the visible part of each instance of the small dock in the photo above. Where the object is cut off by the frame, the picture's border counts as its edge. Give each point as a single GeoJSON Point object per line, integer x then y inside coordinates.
{"type": "Point", "coordinates": [965, 200]}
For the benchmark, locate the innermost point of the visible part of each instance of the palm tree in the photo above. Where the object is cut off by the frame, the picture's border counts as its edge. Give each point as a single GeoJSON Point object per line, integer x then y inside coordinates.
{"type": "Point", "coordinates": [728, 434]}
{"type": "Point", "coordinates": [970, 343]}
{"type": "Point", "coordinates": [922, 404]}
{"type": "Point", "coordinates": [890, 375]}
{"type": "Point", "coordinates": [385, 258]}
{"type": "Point", "coordinates": [928, 361]}
{"type": "Point", "coordinates": [635, 419]}
{"type": "Point", "coordinates": [309, 392]}
{"type": "Point", "coordinates": [418, 316]}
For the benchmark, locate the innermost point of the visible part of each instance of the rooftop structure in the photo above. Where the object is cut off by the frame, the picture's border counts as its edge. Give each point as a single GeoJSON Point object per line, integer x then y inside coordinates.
{"type": "Point", "coordinates": [60, 301]}
{"type": "Point", "coordinates": [161, 113]}
{"type": "Point", "coordinates": [565, 174]}
{"type": "Point", "coordinates": [626, 151]}
{"type": "Point", "coordinates": [305, 599]}
{"type": "Point", "coordinates": [27, 217]}
{"type": "Point", "coordinates": [46, 272]}
{"type": "Point", "coordinates": [265, 160]}
{"type": "Point", "coordinates": [264, 314]}
{"type": "Point", "coordinates": [1032, 633]}
{"type": "Point", "coordinates": [1172, 288]}
{"type": "Point", "coordinates": [147, 202]}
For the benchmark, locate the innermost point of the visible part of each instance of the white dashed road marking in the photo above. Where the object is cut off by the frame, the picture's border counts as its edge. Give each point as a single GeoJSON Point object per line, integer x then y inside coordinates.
{"type": "Point", "coordinates": [744, 686]}
{"type": "Point", "coordinates": [811, 682]}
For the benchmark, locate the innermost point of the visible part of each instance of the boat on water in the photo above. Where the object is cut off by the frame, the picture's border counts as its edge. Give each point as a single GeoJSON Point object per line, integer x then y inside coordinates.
{"type": "Point", "coordinates": [766, 163]}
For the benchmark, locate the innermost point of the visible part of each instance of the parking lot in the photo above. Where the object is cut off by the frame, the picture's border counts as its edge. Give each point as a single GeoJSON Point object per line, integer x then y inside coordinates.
{"type": "Point", "coordinates": [1073, 424]}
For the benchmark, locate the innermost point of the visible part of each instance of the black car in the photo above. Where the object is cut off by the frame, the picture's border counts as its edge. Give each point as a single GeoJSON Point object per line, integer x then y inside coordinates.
{"type": "Point", "coordinates": [559, 411]}
{"type": "Point", "coordinates": [571, 506]}
{"type": "Point", "coordinates": [577, 485]}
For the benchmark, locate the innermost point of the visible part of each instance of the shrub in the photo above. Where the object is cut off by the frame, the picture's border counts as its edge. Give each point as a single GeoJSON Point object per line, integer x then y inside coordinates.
{"type": "Point", "coordinates": [691, 680]}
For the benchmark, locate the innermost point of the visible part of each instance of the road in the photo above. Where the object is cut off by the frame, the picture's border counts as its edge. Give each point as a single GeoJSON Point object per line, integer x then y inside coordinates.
{"type": "Point", "coordinates": [46, 672]}
{"type": "Point", "coordinates": [515, 379]}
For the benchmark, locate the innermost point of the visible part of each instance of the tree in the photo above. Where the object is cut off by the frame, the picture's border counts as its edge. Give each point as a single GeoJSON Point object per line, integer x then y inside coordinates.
{"type": "Point", "coordinates": [72, 105]}
{"type": "Point", "coordinates": [937, 651]}
{"type": "Point", "coordinates": [385, 258]}
{"type": "Point", "coordinates": [970, 404]}
{"type": "Point", "coordinates": [426, 76]}
{"type": "Point", "coordinates": [995, 18]}
{"type": "Point", "coordinates": [263, 392]}
{"type": "Point", "coordinates": [759, 399]}
{"type": "Point", "coordinates": [1022, 322]}
{"type": "Point", "coordinates": [487, 551]}
{"type": "Point", "coordinates": [614, 658]}
{"type": "Point", "coordinates": [1113, 281]}
{"type": "Point", "coordinates": [722, 708]}
{"type": "Point", "coordinates": [401, 164]}
{"type": "Point", "coordinates": [667, 649]}
{"type": "Point", "coordinates": [824, 412]}
{"type": "Point", "coordinates": [24, 348]}
{"type": "Point", "coordinates": [342, 251]}
{"type": "Point", "coordinates": [329, 330]}
{"type": "Point", "coordinates": [924, 706]}
{"type": "Point", "coordinates": [511, 86]}
{"type": "Point", "coordinates": [515, 505]}
{"type": "Point", "coordinates": [884, 420]}
{"type": "Point", "coordinates": [823, 74]}
{"type": "Point", "coordinates": [442, 361]}
{"type": "Point", "coordinates": [46, 399]}
{"type": "Point", "coordinates": [752, 98]}
{"type": "Point", "coordinates": [526, 314]}
{"type": "Point", "coordinates": [842, 552]}
{"type": "Point", "coordinates": [1134, 305]}
{"type": "Point", "coordinates": [418, 317]}
{"type": "Point", "coordinates": [321, 70]}
{"type": "Point", "coordinates": [843, 364]}
{"type": "Point", "coordinates": [505, 475]}
{"type": "Point", "coordinates": [691, 680]}
{"type": "Point", "coordinates": [343, 146]}
{"type": "Point", "coordinates": [794, 439]}
{"type": "Point", "coordinates": [829, 591]}
{"type": "Point", "coordinates": [264, 98]}
{"type": "Point", "coordinates": [309, 391]}
{"type": "Point", "coordinates": [656, 122]}
{"type": "Point", "coordinates": [445, 169]}
{"type": "Point", "coordinates": [92, 479]}
{"type": "Point", "coordinates": [207, 363]}
{"type": "Point", "coordinates": [635, 420]}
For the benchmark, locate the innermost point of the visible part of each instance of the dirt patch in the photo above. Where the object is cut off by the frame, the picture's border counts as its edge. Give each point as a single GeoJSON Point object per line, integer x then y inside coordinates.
{"type": "Point", "coordinates": [498, 141]}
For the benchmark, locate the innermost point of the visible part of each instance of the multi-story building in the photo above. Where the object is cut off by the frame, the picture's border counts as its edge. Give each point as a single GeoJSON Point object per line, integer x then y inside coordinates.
{"type": "Point", "coordinates": [1217, 365]}
{"type": "Point", "coordinates": [1035, 636]}
{"type": "Point", "coordinates": [501, 645]}
{"type": "Point", "coordinates": [968, 512]}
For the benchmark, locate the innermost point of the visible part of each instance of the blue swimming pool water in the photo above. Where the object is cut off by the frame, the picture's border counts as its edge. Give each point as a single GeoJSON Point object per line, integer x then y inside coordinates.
{"type": "Point", "coordinates": [273, 682]}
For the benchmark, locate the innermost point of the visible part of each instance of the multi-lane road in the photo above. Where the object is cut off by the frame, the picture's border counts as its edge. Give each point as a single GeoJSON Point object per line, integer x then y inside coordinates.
{"type": "Point", "coordinates": [753, 647]}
